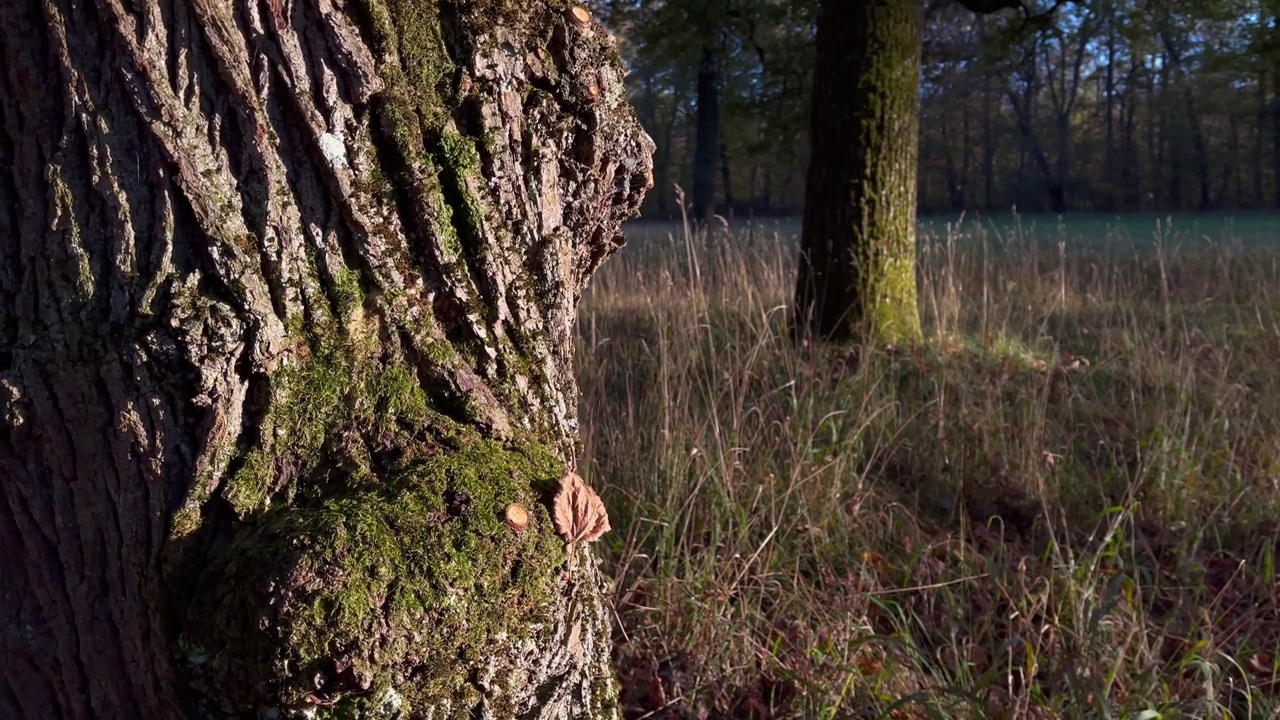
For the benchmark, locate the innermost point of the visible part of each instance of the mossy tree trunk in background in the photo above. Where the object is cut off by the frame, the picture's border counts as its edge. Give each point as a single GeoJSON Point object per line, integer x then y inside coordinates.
{"type": "Point", "coordinates": [287, 293]}
{"type": "Point", "coordinates": [857, 265]}
{"type": "Point", "coordinates": [858, 243]}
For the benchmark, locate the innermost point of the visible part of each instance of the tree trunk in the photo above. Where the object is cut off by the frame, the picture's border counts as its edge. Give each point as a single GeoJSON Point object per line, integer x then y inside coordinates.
{"type": "Point", "coordinates": [1109, 116]}
{"type": "Point", "coordinates": [1275, 122]}
{"type": "Point", "coordinates": [1064, 92]}
{"type": "Point", "coordinates": [955, 186]}
{"type": "Point", "coordinates": [286, 305]}
{"type": "Point", "coordinates": [1173, 176]}
{"type": "Point", "coordinates": [1199, 147]}
{"type": "Point", "coordinates": [1259, 132]}
{"type": "Point", "coordinates": [1024, 112]}
{"type": "Point", "coordinates": [647, 110]}
{"type": "Point", "coordinates": [726, 179]}
{"type": "Point", "coordinates": [858, 242]}
{"type": "Point", "coordinates": [988, 143]}
{"type": "Point", "coordinates": [1154, 132]}
{"type": "Point", "coordinates": [706, 147]}
{"type": "Point", "coordinates": [1129, 189]}
{"type": "Point", "coordinates": [1059, 187]}
{"type": "Point", "coordinates": [663, 160]}
{"type": "Point", "coordinates": [1232, 177]}
{"type": "Point", "coordinates": [966, 154]}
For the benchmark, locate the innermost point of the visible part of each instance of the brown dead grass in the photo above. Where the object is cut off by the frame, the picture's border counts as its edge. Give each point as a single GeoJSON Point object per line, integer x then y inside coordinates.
{"type": "Point", "coordinates": [1063, 505]}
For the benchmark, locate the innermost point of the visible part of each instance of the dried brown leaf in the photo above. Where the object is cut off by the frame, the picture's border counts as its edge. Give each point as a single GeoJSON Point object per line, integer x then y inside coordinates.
{"type": "Point", "coordinates": [578, 512]}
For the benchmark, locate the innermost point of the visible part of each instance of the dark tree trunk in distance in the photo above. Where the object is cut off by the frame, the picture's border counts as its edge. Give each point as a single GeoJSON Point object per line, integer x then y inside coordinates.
{"type": "Point", "coordinates": [706, 151]}
{"type": "Point", "coordinates": [966, 155]}
{"type": "Point", "coordinates": [726, 179]}
{"type": "Point", "coordinates": [858, 243]}
{"type": "Point", "coordinates": [988, 136]}
{"type": "Point", "coordinates": [287, 293]}
{"type": "Point", "coordinates": [1275, 121]}
{"type": "Point", "coordinates": [955, 183]}
{"type": "Point", "coordinates": [1109, 119]}
{"type": "Point", "coordinates": [1259, 132]}
{"type": "Point", "coordinates": [1199, 148]}
{"type": "Point", "coordinates": [1154, 129]}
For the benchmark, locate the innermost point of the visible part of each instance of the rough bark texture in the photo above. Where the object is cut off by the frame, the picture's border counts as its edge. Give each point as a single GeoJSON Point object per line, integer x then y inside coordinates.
{"type": "Point", "coordinates": [286, 300]}
{"type": "Point", "coordinates": [858, 243]}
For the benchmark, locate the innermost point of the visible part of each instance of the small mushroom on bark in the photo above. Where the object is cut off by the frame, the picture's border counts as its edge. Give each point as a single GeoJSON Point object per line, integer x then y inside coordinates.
{"type": "Point", "coordinates": [517, 517]}
{"type": "Point", "coordinates": [580, 17]}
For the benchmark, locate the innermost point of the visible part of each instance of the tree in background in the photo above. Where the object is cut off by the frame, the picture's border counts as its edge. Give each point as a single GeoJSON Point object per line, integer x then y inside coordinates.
{"type": "Point", "coordinates": [287, 294]}
{"type": "Point", "coordinates": [1114, 106]}
{"type": "Point", "coordinates": [856, 274]}
{"type": "Point", "coordinates": [1060, 106]}
{"type": "Point", "coordinates": [857, 266]}
{"type": "Point", "coordinates": [684, 43]}
{"type": "Point", "coordinates": [723, 88]}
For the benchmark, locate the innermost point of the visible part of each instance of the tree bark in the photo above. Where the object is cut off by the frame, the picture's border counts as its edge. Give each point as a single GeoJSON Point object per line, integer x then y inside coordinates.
{"type": "Point", "coordinates": [858, 242]}
{"type": "Point", "coordinates": [287, 293]}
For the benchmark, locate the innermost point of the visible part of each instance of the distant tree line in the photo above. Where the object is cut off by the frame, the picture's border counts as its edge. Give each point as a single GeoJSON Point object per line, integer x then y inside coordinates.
{"type": "Point", "coordinates": [1114, 106]}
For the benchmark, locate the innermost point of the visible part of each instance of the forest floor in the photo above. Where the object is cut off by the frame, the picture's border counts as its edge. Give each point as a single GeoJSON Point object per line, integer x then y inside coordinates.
{"type": "Point", "coordinates": [1063, 505]}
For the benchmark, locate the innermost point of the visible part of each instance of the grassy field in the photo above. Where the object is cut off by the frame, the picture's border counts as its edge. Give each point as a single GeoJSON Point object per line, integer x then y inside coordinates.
{"type": "Point", "coordinates": [1063, 505]}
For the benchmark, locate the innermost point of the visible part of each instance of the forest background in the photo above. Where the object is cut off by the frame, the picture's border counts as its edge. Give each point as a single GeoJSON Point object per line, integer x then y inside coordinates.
{"type": "Point", "coordinates": [1116, 107]}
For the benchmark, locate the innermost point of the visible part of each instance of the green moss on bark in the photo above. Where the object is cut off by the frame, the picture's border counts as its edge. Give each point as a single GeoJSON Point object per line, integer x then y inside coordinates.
{"type": "Point", "coordinates": [319, 410]}
{"type": "Point", "coordinates": [857, 278]}
{"type": "Point", "coordinates": [407, 585]}
{"type": "Point", "coordinates": [347, 294]}
{"type": "Point", "coordinates": [374, 571]}
{"type": "Point", "coordinates": [460, 162]}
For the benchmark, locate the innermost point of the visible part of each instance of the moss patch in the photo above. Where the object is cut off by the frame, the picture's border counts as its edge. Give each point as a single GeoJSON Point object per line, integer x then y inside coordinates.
{"type": "Point", "coordinates": [405, 586]}
{"type": "Point", "coordinates": [325, 413]}
{"type": "Point", "coordinates": [459, 161]}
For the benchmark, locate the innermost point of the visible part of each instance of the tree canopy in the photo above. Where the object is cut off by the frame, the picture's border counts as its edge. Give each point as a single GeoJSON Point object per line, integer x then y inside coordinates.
{"type": "Point", "coordinates": [1082, 105]}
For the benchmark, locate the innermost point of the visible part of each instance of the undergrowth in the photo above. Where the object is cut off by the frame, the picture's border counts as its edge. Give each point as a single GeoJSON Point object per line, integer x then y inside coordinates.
{"type": "Point", "coordinates": [1063, 505]}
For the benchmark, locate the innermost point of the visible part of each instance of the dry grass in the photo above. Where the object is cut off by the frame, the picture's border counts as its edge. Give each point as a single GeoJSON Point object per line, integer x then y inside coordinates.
{"type": "Point", "coordinates": [1062, 506]}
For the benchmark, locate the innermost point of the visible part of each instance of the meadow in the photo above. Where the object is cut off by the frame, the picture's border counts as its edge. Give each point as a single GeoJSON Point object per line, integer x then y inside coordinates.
{"type": "Point", "coordinates": [1062, 505]}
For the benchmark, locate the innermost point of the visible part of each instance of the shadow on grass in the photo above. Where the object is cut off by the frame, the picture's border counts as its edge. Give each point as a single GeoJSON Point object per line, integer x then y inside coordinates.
{"type": "Point", "coordinates": [1062, 505]}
